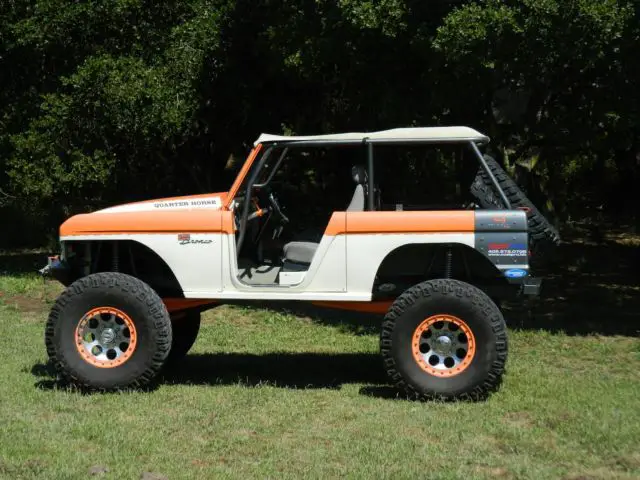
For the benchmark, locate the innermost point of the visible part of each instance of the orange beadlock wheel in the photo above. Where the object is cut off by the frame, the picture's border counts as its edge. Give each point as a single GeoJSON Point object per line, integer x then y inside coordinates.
{"type": "Point", "coordinates": [443, 345]}
{"type": "Point", "coordinates": [106, 337]}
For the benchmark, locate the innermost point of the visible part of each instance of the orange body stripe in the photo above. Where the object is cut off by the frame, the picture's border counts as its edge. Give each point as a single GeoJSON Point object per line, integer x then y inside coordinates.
{"type": "Point", "coordinates": [165, 221]}
{"type": "Point", "coordinates": [216, 221]}
{"type": "Point", "coordinates": [228, 222]}
{"type": "Point", "coordinates": [243, 173]}
{"type": "Point", "coordinates": [400, 222]}
{"type": "Point", "coordinates": [337, 224]}
{"type": "Point", "coordinates": [177, 304]}
{"type": "Point", "coordinates": [366, 307]}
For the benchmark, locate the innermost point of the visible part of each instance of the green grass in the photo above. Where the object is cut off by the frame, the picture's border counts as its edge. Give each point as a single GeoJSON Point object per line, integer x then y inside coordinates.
{"type": "Point", "coordinates": [271, 394]}
{"type": "Point", "coordinates": [23, 284]}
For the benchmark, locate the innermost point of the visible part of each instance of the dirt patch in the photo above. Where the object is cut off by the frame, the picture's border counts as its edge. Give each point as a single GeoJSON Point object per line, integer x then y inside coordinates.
{"type": "Point", "coordinates": [627, 462]}
{"type": "Point", "coordinates": [153, 476]}
{"type": "Point", "coordinates": [97, 470]}
{"type": "Point", "coordinates": [555, 422]}
{"type": "Point", "coordinates": [30, 468]}
{"type": "Point", "coordinates": [493, 472]}
{"type": "Point", "coordinates": [26, 304]}
{"type": "Point", "coordinates": [601, 473]}
{"type": "Point", "coordinates": [519, 419]}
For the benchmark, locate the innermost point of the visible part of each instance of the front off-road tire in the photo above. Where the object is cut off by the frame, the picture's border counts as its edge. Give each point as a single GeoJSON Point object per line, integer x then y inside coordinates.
{"type": "Point", "coordinates": [108, 331]}
{"type": "Point", "coordinates": [444, 339]}
{"type": "Point", "coordinates": [185, 327]}
{"type": "Point", "coordinates": [543, 237]}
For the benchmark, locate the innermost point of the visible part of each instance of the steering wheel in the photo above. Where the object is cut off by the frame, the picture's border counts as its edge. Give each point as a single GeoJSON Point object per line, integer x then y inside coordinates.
{"type": "Point", "coordinates": [265, 194]}
{"type": "Point", "coordinates": [258, 212]}
{"type": "Point", "coordinates": [275, 207]}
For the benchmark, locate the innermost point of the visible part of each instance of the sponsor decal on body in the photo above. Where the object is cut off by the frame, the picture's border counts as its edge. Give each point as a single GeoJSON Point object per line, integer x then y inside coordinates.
{"type": "Point", "coordinates": [507, 249]}
{"type": "Point", "coordinates": [202, 202]}
{"type": "Point", "coordinates": [515, 273]}
{"type": "Point", "coordinates": [213, 203]}
{"type": "Point", "coordinates": [500, 220]}
{"type": "Point", "coordinates": [171, 204]}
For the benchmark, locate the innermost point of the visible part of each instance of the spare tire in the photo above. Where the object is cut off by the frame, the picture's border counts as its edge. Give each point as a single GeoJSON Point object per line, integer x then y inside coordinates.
{"type": "Point", "coordinates": [543, 237]}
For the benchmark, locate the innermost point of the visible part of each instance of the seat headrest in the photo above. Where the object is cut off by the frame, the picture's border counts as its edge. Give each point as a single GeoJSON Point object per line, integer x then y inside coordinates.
{"type": "Point", "coordinates": [359, 174]}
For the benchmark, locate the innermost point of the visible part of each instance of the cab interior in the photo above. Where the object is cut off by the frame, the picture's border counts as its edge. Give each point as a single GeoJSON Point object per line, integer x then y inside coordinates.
{"type": "Point", "coordinates": [284, 204]}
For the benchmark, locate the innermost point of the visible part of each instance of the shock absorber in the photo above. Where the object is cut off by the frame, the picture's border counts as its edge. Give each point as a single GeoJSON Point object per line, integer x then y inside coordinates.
{"type": "Point", "coordinates": [447, 263]}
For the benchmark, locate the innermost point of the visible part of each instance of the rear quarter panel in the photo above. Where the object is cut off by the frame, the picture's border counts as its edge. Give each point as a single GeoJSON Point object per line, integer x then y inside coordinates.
{"type": "Point", "coordinates": [501, 236]}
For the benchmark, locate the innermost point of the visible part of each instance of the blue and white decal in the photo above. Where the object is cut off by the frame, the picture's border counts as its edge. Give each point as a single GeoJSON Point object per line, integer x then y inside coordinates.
{"type": "Point", "coordinates": [515, 273]}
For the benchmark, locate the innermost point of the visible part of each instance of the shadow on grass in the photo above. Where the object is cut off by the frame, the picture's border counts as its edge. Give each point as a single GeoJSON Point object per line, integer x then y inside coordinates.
{"type": "Point", "coordinates": [49, 380]}
{"type": "Point", "coordinates": [282, 370]}
{"type": "Point", "coordinates": [288, 370]}
{"type": "Point", "coordinates": [593, 289]}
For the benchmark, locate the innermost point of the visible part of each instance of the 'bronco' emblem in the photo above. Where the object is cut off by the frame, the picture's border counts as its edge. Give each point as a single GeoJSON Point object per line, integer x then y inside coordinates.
{"type": "Point", "coordinates": [185, 239]}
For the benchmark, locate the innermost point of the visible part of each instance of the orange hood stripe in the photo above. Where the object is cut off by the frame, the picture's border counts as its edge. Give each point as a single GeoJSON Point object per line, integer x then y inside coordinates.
{"type": "Point", "coordinates": [164, 221]}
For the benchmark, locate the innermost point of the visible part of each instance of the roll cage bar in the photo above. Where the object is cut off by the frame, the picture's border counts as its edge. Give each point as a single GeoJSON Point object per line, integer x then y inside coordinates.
{"type": "Point", "coordinates": [473, 145]}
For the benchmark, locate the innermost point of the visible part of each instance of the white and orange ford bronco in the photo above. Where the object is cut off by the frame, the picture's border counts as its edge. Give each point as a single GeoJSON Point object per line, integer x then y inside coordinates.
{"type": "Point", "coordinates": [139, 275]}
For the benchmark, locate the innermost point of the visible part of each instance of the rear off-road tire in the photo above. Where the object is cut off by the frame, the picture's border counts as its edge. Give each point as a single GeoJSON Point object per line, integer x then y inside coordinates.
{"type": "Point", "coordinates": [543, 237]}
{"type": "Point", "coordinates": [435, 315]}
{"type": "Point", "coordinates": [108, 331]}
{"type": "Point", "coordinates": [185, 327]}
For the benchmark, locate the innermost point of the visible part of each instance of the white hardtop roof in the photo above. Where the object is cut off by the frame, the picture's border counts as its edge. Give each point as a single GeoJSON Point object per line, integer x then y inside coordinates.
{"type": "Point", "coordinates": [396, 135]}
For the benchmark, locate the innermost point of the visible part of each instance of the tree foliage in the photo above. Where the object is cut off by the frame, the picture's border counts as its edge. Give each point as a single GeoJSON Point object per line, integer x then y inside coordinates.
{"type": "Point", "coordinates": [104, 102]}
{"type": "Point", "coordinates": [556, 76]}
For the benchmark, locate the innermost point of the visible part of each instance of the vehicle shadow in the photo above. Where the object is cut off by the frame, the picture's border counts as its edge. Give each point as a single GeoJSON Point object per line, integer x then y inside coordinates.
{"type": "Point", "coordinates": [282, 370]}
{"type": "Point", "coordinates": [593, 289]}
{"type": "Point", "coordinates": [48, 379]}
{"type": "Point", "coordinates": [286, 370]}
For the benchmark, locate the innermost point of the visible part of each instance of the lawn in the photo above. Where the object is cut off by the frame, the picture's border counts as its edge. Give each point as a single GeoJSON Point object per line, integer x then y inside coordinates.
{"type": "Point", "coordinates": [289, 392]}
